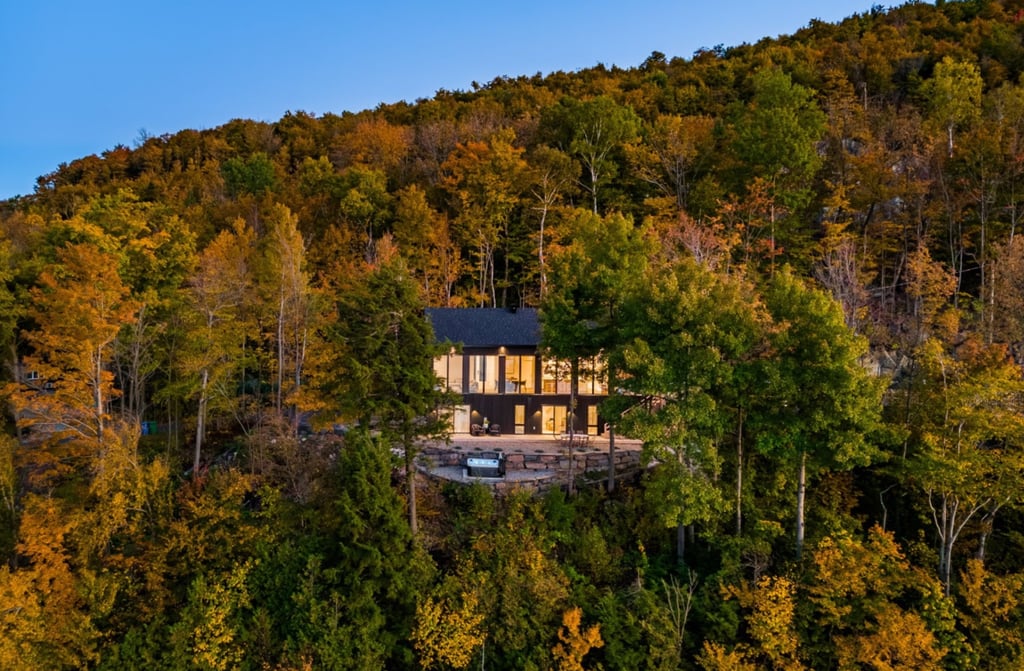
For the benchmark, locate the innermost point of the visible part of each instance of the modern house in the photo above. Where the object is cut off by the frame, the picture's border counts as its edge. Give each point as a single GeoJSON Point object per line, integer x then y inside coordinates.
{"type": "Point", "coordinates": [495, 363]}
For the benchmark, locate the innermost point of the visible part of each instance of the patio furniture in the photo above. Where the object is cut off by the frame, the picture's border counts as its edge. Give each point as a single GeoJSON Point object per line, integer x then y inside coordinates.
{"type": "Point", "coordinates": [576, 440]}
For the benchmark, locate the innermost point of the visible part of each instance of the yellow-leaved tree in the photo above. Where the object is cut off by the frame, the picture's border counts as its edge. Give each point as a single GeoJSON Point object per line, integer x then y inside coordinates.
{"type": "Point", "coordinates": [575, 644]}
{"type": "Point", "coordinates": [282, 281]}
{"type": "Point", "coordinates": [448, 631]}
{"type": "Point", "coordinates": [219, 288]}
{"type": "Point", "coordinates": [867, 606]}
{"type": "Point", "coordinates": [899, 641]}
{"type": "Point", "coordinates": [992, 613]}
{"type": "Point", "coordinates": [769, 607]}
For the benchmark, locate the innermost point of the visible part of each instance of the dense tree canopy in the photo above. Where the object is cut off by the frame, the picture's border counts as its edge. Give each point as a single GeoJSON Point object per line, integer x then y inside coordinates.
{"type": "Point", "coordinates": [797, 261]}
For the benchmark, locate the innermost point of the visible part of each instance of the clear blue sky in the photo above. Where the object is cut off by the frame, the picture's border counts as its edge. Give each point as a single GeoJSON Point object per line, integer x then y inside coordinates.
{"type": "Point", "coordinates": [77, 77]}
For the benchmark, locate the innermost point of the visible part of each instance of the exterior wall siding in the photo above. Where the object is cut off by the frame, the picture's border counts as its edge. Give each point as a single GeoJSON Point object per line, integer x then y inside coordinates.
{"type": "Point", "coordinates": [500, 409]}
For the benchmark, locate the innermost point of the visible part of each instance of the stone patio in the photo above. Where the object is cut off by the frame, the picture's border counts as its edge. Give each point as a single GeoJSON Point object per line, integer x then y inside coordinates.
{"type": "Point", "coordinates": [531, 462]}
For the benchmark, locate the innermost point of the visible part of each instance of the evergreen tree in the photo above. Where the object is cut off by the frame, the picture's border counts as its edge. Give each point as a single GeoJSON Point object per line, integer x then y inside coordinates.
{"type": "Point", "coordinates": [383, 373]}
{"type": "Point", "coordinates": [356, 600]}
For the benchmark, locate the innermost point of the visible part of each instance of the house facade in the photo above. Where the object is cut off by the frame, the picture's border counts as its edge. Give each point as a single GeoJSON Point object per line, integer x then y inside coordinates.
{"type": "Point", "coordinates": [496, 365]}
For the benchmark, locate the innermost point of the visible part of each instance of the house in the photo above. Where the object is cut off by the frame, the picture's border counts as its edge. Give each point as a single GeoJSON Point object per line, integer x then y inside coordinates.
{"type": "Point", "coordinates": [496, 365]}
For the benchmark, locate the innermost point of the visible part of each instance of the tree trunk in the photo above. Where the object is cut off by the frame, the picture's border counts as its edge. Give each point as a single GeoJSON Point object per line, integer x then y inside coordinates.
{"type": "Point", "coordinates": [137, 396]}
{"type": "Point", "coordinates": [611, 458]}
{"type": "Point", "coordinates": [945, 545]}
{"type": "Point", "coordinates": [571, 484]}
{"type": "Point", "coordinates": [950, 516]}
{"type": "Point", "coordinates": [280, 358]}
{"type": "Point", "coordinates": [410, 478]}
{"type": "Point", "coordinates": [540, 253]}
{"type": "Point", "coordinates": [593, 182]}
{"type": "Point", "coordinates": [574, 381]}
{"type": "Point", "coordinates": [200, 422]}
{"type": "Point", "coordinates": [98, 393]}
{"type": "Point", "coordinates": [574, 386]}
{"type": "Point", "coordinates": [611, 434]}
{"type": "Point", "coordinates": [300, 363]}
{"type": "Point", "coordinates": [987, 522]}
{"type": "Point", "coordinates": [681, 544]}
{"type": "Point", "coordinates": [19, 375]}
{"type": "Point", "coordinates": [739, 477]}
{"type": "Point", "coordinates": [801, 491]}
{"type": "Point", "coordinates": [505, 279]}
{"type": "Point", "coordinates": [173, 426]}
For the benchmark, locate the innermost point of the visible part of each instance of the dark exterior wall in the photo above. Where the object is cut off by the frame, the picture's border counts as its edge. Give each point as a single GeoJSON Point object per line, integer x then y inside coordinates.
{"type": "Point", "coordinates": [501, 408]}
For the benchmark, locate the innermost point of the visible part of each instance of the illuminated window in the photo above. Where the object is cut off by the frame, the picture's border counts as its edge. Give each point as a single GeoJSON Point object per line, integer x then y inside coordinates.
{"type": "Point", "coordinates": [483, 374]}
{"type": "Point", "coordinates": [455, 373]}
{"type": "Point", "coordinates": [593, 377]}
{"type": "Point", "coordinates": [449, 369]}
{"type": "Point", "coordinates": [553, 418]}
{"type": "Point", "coordinates": [441, 369]}
{"type": "Point", "coordinates": [519, 375]}
{"type": "Point", "coordinates": [555, 377]}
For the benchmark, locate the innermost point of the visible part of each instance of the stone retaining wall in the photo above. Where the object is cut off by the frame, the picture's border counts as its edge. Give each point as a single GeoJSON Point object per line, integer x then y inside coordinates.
{"type": "Point", "coordinates": [535, 472]}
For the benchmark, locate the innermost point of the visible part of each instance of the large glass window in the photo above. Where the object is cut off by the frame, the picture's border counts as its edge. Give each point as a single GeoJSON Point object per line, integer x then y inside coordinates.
{"type": "Point", "coordinates": [449, 369]}
{"type": "Point", "coordinates": [592, 420]}
{"type": "Point", "coordinates": [483, 374]}
{"type": "Point", "coordinates": [553, 417]}
{"type": "Point", "coordinates": [556, 377]}
{"type": "Point", "coordinates": [455, 373]}
{"type": "Point", "coordinates": [441, 370]}
{"type": "Point", "coordinates": [520, 377]}
{"type": "Point", "coordinates": [593, 377]}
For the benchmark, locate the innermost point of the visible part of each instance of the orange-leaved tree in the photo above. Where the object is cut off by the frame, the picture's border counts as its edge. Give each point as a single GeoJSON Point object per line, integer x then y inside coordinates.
{"type": "Point", "coordinates": [45, 621]}
{"type": "Point", "coordinates": [485, 182]}
{"type": "Point", "coordinates": [64, 396]}
{"type": "Point", "coordinates": [865, 602]}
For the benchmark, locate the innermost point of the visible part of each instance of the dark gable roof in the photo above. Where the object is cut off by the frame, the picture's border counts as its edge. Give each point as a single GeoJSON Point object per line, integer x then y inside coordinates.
{"type": "Point", "coordinates": [486, 327]}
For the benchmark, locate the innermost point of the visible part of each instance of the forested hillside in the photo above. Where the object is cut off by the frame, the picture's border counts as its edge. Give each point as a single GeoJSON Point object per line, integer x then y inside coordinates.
{"type": "Point", "coordinates": [799, 257]}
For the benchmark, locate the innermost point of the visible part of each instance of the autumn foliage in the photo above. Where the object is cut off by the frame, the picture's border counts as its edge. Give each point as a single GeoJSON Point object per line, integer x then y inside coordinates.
{"type": "Point", "coordinates": [798, 262]}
